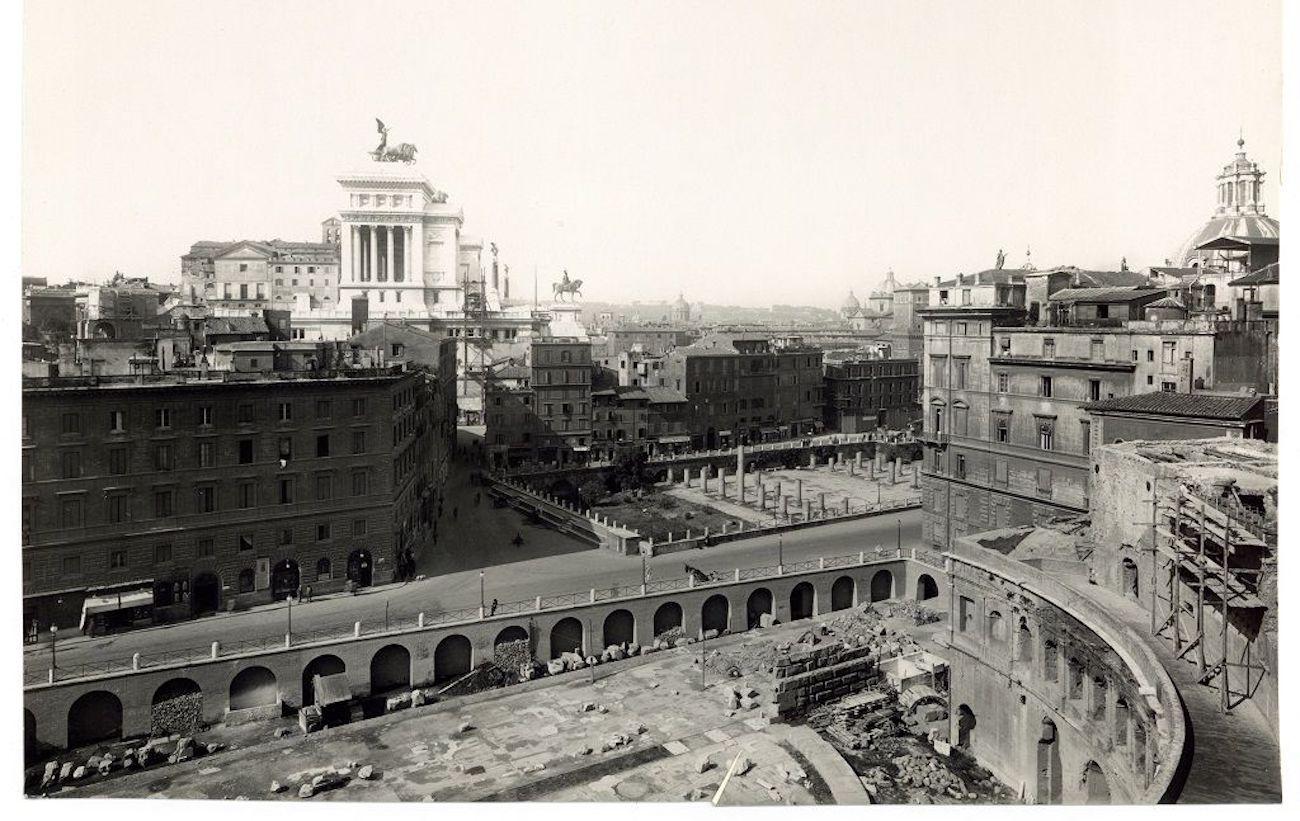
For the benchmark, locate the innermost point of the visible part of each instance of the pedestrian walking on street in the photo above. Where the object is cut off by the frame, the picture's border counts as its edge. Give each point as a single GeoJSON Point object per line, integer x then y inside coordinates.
{"type": "Point", "coordinates": [494, 608]}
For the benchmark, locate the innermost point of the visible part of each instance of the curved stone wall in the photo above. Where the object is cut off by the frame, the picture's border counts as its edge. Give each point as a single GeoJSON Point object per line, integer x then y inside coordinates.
{"type": "Point", "coordinates": [1058, 699]}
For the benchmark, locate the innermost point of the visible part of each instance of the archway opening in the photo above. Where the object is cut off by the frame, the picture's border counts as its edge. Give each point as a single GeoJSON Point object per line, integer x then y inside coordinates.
{"type": "Point", "coordinates": [882, 585]}
{"type": "Point", "coordinates": [667, 617]}
{"type": "Point", "coordinates": [94, 717]}
{"type": "Point", "coordinates": [1096, 790]}
{"type": "Point", "coordinates": [360, 567]}
{"type": "Point", "coordinates": [620, 628]}
{"type": "Point", "coordinates": [1129, 578]}
{"type": "Point", "coordinates": [319, 666]}
{"type": "Point", "coordinates": [716, 613]}
{"type": "Point", "coordinates": [842, 593]}
{"type": "Point", "coordinates": [512, 633]}
{"type": "Point", "coordinates": [31, 748]}
{"type": "Point", "coordinates": [177, 707]}
{"type": "Point", "coordinates": [926, 588]}
{"type": "Point", "coordinates": [1049, 764]}
{"type": "Point", "coordinates": [451, 658]}
{"type": "Point", "coordinates": [390, 669]}
{"type": "Point", "coordinates": [759, 603]}
{"type": "Point", "coordinates": [284, 579]}
{"type": "Point", "coordinates": [253, 687]}
{"type": "Point", "coordinates": [566, 637]}
{"type": "Point", "coordinates": [965, 727]}
{"type": "Point", "coordinates": [205, 594]}
{"type": "Point", "coordinates": [802, 599]}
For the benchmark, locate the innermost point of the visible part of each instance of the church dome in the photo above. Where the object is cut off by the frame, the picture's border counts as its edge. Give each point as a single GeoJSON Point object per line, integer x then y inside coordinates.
{"type": "Point", "coordinates": [681, 302]}
{"type": "Point", "coordinates": [1240, 210]}
{"type": "Point", "coordinates": [851, 304]}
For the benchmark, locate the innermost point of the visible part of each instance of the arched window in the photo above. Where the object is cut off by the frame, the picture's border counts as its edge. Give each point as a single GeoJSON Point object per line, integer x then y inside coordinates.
{"type": "Point", "coordinates": [997, 629]}
{"type": "Point", "coordinates": [1025, 647]}
{"type": "Point", "coordinates": [246, 580]}
{"type": "Point", "coordinates": [1051, 661]}
{"type": "Point", "coordinates": [322, 569]}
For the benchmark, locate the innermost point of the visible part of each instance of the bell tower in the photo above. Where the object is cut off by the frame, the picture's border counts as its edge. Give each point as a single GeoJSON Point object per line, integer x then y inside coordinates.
{"type": "Point", "coordinates": [1239, 185]}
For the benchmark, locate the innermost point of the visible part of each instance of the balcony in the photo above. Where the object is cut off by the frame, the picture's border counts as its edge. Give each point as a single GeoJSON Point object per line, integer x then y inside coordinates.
{"type": "Point", "coordinates": [936, 440]}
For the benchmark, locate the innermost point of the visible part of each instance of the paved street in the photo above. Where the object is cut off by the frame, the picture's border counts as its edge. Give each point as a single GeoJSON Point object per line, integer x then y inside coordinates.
{"type": "Point", "coordinates": [511, 581]}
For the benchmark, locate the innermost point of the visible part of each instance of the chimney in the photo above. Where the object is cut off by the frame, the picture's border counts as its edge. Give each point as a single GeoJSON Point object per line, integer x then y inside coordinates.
{"type": "Point", "coordinates": [937, 280]}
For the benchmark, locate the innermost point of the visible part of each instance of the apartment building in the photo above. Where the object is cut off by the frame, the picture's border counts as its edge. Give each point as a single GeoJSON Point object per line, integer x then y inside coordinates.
{"type": "Point", "coordinates": [154, 499]}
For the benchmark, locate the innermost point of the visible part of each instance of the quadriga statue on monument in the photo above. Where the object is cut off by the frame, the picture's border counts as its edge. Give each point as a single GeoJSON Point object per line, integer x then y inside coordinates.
{"type": "Point", "coordinates": [403, 152]}
{"type": "Point", "coordinates": [567, 286]}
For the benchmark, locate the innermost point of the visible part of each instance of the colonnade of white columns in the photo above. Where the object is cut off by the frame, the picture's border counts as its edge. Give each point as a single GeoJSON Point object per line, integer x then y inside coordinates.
{"type": "Point", "coordinates": [373, 252]}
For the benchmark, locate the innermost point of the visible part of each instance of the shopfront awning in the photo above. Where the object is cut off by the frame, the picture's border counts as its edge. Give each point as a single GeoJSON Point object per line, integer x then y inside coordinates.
{"type": "Point", "coordinates": [115, 601]}
{"type": "Point", "coordinates": [674, 440]}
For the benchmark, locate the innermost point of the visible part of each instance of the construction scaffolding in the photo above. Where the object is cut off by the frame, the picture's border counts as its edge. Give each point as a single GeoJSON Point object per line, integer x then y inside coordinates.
{"type": "Point", "coordinates": [1209, 556]}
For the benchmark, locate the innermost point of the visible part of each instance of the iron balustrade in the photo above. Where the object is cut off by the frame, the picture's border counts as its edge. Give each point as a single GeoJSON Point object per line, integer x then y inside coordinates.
{"type": "Point", "coordinates": [407, 621]}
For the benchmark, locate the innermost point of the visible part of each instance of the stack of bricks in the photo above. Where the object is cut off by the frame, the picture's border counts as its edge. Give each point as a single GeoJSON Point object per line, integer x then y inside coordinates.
{"type": "Point", "coordinates": [810, 676]}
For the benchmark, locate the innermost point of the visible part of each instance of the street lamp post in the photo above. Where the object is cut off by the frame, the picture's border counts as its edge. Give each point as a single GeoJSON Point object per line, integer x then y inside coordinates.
{"type": "Point", "coordinates": [289, 631]}
{"type": "Point", "coordinates": [482, 602]}
{"type": "Point", "coordinates": [54, 636]}
{"type": "Point", "coordinates": [900, 535]}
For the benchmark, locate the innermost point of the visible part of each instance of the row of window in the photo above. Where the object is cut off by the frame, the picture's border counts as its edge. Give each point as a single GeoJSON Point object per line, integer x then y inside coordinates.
{"type": "Point", "coordinates": [205, 455]}
{"type": "Point", "coordinates": [71, 422]}
{"type": "Point", "coordinates": [119, 558]}
{"type": "Point", "coordinates": [118, 504]}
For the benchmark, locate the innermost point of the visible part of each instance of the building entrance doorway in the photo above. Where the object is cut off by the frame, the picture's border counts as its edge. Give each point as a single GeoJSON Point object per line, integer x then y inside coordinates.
{"type": "Point", "coordinates": [205, 594]}
{"type": "Point", "coordinates": [360, 567]}
{"type": "Point", "coordinates": [284, 580]}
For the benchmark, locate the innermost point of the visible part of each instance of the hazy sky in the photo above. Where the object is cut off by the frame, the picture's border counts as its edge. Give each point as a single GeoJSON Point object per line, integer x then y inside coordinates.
{"type": "Point", "coordinates": [739, 152]}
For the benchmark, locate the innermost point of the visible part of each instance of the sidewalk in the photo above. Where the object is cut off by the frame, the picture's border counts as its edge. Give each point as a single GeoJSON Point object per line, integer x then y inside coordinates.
{"type": "Point", "coordinates": [1235, 758]}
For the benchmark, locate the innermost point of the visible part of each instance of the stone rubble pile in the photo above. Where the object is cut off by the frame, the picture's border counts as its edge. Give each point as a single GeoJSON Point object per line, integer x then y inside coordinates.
{"type": "Point", "coordinates": [170, 749]}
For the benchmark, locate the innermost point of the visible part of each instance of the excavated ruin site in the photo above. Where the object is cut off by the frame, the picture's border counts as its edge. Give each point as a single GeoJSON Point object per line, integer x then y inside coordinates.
{"type": "Point", "coordinates": [850, 707]}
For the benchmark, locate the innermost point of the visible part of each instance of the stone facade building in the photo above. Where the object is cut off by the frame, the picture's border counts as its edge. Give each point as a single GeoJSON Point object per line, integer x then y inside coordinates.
{"type": "Point", "coordinates": [189, 495]}
{"type": "Point", "coordinates": [1005, 417]}
{"type": "Point", "coordinates": [251, 275]}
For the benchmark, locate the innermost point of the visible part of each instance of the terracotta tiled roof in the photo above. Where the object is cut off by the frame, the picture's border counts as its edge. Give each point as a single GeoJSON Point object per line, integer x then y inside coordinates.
{"type": "Point", "coordinates": [1168, 403]}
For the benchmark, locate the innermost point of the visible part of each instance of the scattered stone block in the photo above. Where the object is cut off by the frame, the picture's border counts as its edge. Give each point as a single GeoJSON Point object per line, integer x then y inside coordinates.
{"type": "Point", "coordinates": [533, 768]}
{"type": "Point", "coordinates": [703, 765]}
{"type": "Point", "coordinates": [465, 727]}
{"type": "Point", "coordinates": [710, 634]}
{"type": "Point", "coordinates": [94, 761]}
{"type": "Point", "coordinates": [588, 706]}
{"type": "Point", "coordinates": [766, 620]}
{"type": "Point", "coordinates": [277, 787]}
{"type": "Point", "coordinates": [366, 773]}
{"type": "Point", "coordinates": [306, 790]}
{"type": "Point", "coordinates": [744, 765]}
{"type": "Point", "coordinates": [281, 732]}
{"type": "Point", "coordinates": [79, 773]}
{"type": "Point", "coordinates": [602, 709]}
{"type": "Point", "coordinates": [555, 666]}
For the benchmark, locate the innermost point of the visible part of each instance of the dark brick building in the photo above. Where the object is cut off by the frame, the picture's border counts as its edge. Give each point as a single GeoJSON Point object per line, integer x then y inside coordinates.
{"type": "Point", "coordinates": [189, 495]}
{"type": "Point", "coordinates": [865, 394]}
{"type": "Point", "coordinates": [741, 387]}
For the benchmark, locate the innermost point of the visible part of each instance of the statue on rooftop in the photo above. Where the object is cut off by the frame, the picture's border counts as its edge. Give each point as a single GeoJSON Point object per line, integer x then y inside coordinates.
{"type": "Point", "coordinates": [1002, 260]}
{"type": "Point", "coordinates": [567, 286]}
{"type": "Point", "coordinates": [404, 152]}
